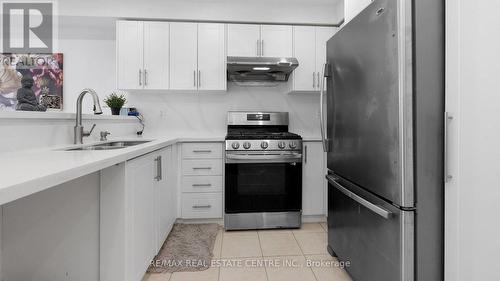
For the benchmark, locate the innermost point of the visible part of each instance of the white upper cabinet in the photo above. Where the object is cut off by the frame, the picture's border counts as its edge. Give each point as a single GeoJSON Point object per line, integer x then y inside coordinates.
{"type": "Point", "coordinates": [130, 54]}
{"type": "Point", "coordinates": [171, 56]}
{"type": "Point", "coordinates": [183, 56]}
{"type": "Point", "coordinates": [211, 57]}
{"type": "Point", "coordinates": [323, 34]}
{"type": "Point", "coordinates": [197, 56]}
{"type": "Point", "coordinates": [276, 41]}
{"type": "Point", "coordinates": [247, 40]}
{"type": "Point", "coordinates": [304, 47]}
{"type": "Point", "coordinates": [243, 40]}
{"type": "Point", "coordinates": [309, 47]}
{"type": "Point", "coordinates": [142, 55]}
{"type": "Point", "coordinates": [156, 55]}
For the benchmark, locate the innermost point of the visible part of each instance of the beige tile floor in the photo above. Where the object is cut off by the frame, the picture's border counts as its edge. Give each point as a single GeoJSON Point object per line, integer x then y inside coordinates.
{"type": "Point", "coordinates": [268, 255]}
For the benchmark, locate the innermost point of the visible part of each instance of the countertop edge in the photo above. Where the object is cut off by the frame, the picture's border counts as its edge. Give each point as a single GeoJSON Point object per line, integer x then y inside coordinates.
{"type": "Point", "coordinates": [31, 186]}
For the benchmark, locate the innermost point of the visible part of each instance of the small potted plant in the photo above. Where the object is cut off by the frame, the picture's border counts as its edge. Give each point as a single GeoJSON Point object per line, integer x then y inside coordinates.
{"type": "Point", "coordinates": [115, 102]}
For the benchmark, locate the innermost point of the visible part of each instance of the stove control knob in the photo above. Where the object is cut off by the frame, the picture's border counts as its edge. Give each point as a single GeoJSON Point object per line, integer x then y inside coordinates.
{"type": "Point", "coordinates": [282, 145]}
{"type": "Point", "coordinates": [247, 145]}
{"type": "Point", "coordinates": [235, 145]}
{"type": "Point", "coordinates": [293, 145]}
{"type": "Point", "coordinates": [264, 145]}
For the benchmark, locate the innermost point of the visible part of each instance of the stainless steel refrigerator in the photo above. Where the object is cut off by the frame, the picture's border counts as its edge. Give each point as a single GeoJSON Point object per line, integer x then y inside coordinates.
{"type": "Point", "coordinates": [383, 133]}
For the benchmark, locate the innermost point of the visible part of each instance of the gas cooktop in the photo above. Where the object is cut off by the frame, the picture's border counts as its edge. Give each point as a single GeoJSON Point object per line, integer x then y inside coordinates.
{"type": "Point", "coordinates": [261, 136]}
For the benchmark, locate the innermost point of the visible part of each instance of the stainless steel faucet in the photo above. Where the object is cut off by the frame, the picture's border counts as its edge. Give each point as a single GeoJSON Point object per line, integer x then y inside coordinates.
{"type": "Point", "coordinates": [104, 135]}
{"type": "Point", "coordinates": [79, 130]}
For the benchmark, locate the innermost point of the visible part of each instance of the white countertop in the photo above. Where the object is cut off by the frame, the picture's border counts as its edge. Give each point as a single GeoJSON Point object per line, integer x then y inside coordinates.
{"type": "Point", "coordinates": [26, 172]}
{"type": "Point", "coordinates": [53, 115]}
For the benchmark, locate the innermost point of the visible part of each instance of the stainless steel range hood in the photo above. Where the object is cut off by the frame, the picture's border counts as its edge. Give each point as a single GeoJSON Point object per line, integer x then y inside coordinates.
{"type": "Point", "coordinates": [260, 69]}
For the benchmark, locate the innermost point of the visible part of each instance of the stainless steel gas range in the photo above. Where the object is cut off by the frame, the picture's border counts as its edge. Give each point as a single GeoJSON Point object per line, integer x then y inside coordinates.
{"type": "Point", "coordinates": [263, 172]}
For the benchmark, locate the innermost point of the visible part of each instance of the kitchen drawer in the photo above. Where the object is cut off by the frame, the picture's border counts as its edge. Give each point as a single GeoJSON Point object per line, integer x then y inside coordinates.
{"type": "Point", "coordinates": [202, 150]}
{"type": "Point", "coordinates": [201, 184]}
{"type": "Point", "coordinates": [202, 167]}
{"type": "Point", "coordinates": [201, 205]}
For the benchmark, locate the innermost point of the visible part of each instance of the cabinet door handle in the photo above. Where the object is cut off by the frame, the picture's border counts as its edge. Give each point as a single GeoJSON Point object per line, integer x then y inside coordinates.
{"type": "Point", "coordinates": [318, 80]}
{"type": "Point", "coordinates": [145, 77]}
{"type": "Point", "coordinates": [314, 80]}
{"type": "Point", "coordinates": [305, 154]}
{"type": "Point", "coordinates": [199, 78]}
{"type": "Point", "coordinates": [158, 168]}
{"type": "Point", "coordinates": [202, 206]}
{"type": "Point", "coordinates": [194, 78]}
{"type": "Point", "coordinates": [202, 185]}
{"type": "Point", "coordinates": [447, 119]}
{"type": "Point", "coordinates": [140, 77]}
{"type": "Point", "coordinates": [258, 48]}
{"type": "Point", "coordinates": [262, 48]}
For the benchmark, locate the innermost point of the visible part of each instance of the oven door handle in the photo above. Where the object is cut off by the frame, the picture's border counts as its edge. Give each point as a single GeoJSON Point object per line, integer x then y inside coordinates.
{"type": "Point", "coordinates": [254, 158]}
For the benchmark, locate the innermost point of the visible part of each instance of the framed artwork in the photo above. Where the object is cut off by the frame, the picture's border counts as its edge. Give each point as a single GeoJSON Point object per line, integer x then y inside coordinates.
{"type": "Point", "coordinates": [47, 73]}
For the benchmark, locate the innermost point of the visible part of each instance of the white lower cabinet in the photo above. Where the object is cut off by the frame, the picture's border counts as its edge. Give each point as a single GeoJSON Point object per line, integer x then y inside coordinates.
{"type": "Point", "coordinates": [165, 195]}
{"type": "Point", "coordinates": [313, 179]}
{"type": "Point", "coordinates": [201, 205]}
{"type": "Point", "coordinates": [201, 180]}
{"type": "Point", "coordinates": [140, 219]}
{"type": "Point", "coordinates": [197, 184]}
{"type": "Point", "coordinates": [202, 167]}
{"type": "Point", "coordinates": [138, 209]}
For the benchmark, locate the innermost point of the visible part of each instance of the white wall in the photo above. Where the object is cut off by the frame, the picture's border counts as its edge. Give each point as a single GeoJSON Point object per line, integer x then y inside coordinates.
{"type": "Point", "coordinates": [1, 239]}
{"type": "Point", "coordinates": [353, 7]}
{"type": "Point", "coordinates": [88, 44]}
{"type": "Point", "coordinates": [54, 234]}
{"type": "Point", "coordinates": [472, 96]}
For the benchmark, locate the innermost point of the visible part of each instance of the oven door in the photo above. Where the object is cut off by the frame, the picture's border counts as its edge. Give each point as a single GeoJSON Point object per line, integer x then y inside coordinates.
{"type": "Point", "coordinates": [263, 182]}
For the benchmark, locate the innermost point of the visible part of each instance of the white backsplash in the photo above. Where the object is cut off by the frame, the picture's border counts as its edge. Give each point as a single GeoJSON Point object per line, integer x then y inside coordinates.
{"type": "Point", "coordinates": [205, 113]}
{"type": "Point", "coordinates": [22, 134]}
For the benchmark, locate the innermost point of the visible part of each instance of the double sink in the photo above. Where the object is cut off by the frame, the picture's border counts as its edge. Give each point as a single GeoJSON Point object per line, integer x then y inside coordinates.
{"type": "Point", "coordinates": [108, 145]}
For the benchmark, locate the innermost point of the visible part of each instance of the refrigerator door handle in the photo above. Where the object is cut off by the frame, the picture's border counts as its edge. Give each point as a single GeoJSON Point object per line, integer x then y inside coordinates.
{"type": "Point", "coordinates": [365, 203]}
{"type": "Point", "coordinates": [321, 107]}
{"type": "Point", "coordinates": [447, 119]}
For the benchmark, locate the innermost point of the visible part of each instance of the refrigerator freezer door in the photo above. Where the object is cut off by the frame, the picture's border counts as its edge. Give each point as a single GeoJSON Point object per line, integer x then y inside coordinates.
{"type": "Point", "coordinates": [369, 101]}
{"type": "Point", "coordinates": [378, 247]}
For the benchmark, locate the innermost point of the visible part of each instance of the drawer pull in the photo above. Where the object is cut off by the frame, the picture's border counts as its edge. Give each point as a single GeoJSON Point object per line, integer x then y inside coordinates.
{"type": "Point", "coordinates": [202, 185]}
{"type": "Point", "coordinates": [202, 151]}
{"type": "Point", "coordinates": [202, 206]}
{"type": "Point", "coordinates": [202, 168]}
